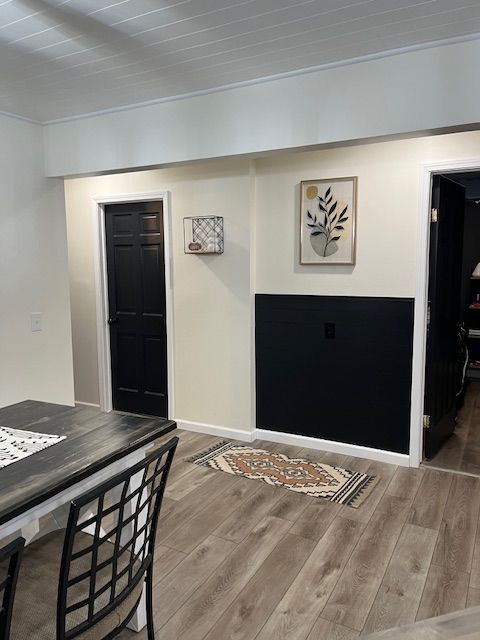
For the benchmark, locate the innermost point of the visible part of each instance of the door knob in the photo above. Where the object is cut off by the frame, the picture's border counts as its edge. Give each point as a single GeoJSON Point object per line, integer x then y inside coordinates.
{"type": "Point", "coordinates": [112, 320]}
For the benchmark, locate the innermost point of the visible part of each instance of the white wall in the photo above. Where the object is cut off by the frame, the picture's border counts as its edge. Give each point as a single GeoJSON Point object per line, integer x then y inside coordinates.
{"type": "Point", "coordinates": [33, 272]}
{"type": "Point", "coordinates": [212, 302]}
{"type": "Point", "coordinates": [424, 90]}
{"type": "Point", "coordinates": [388, 192]}
{"type": "Point", "coordinates": [211, 293]}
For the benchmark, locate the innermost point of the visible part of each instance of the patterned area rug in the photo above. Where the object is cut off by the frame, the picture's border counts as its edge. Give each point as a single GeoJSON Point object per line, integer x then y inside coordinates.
{"type": "Point", "coordinates": [296, 474]}
{"type": "Point", "coordinates": [16, 444]}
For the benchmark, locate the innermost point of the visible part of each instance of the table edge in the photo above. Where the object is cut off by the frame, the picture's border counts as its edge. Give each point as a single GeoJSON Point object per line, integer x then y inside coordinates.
{"type": "Point", "coordinates": [99, 464]}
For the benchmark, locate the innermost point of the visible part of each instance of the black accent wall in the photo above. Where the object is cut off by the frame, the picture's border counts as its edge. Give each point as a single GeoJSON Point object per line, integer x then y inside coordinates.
{"type": "Point", "coordinates": [338, 368]}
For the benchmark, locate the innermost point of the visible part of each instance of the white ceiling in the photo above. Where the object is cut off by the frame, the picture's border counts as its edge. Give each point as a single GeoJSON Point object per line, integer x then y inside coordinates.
{"type": "Point", "coordinates": [63, 58]}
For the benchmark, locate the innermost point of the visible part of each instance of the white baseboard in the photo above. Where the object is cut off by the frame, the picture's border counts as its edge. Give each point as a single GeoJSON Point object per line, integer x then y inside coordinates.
{"type": "Point", "coordinates": [87, 404]}
{"type": "Point", "coordinates": [216, 430]}
{"type": "Point", "coordinates": [343, 448]}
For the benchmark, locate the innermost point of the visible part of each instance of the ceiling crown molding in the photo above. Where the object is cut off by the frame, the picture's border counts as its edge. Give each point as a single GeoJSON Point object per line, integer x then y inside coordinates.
{"type": "Point", "coordinates": [271, 78]}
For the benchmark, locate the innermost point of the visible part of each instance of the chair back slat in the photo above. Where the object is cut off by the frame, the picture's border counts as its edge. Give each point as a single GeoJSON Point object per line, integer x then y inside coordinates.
{"type": "Point", "coordinates": [109, 544]}
{"type": "Point", "coordinates": [10, 557]}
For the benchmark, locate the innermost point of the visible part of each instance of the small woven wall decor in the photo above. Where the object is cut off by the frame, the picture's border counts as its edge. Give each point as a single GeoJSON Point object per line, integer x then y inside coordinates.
{"type": "Point", "coordinates": [203, 234]}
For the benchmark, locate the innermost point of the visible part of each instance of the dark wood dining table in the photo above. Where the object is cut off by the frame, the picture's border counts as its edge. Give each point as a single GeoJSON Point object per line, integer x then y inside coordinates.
{"type": "Point", "coordinates": [96, 446]}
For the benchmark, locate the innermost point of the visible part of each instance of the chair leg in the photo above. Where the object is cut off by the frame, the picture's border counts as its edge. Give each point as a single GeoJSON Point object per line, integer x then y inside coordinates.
{"type": "Point", "coordinates": [149, 603]}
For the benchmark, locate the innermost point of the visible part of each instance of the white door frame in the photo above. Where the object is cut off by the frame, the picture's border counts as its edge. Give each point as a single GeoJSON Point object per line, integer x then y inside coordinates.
{"type": "Point", "coordinates": [421, 297]}
{"type": "Point", "coordinates": [101, 291]}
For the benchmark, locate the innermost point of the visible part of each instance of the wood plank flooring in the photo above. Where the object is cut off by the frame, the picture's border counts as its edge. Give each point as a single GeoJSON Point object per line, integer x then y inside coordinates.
{"type": "Point", "coordinates": [461, 452]}
{"type": "Point", "coordinates": [239, 560]}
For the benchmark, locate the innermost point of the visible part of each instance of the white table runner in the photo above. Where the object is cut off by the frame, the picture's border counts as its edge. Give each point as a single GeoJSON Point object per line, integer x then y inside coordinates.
{"type": "Point", "coordinates": [16, 444]}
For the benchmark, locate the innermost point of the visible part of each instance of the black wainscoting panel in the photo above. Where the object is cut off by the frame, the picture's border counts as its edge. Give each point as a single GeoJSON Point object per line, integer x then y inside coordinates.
{"type": "Point", "coordinates": [353, 386]}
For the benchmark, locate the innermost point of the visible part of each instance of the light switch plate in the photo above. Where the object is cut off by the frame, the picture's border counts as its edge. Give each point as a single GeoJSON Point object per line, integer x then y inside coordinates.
{"type": "Point", "coordinates": [36, 321]}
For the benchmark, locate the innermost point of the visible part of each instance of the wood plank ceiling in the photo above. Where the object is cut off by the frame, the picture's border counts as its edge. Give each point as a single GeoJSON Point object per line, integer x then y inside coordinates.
{"type": "Point", "coordinates": [70, 57]}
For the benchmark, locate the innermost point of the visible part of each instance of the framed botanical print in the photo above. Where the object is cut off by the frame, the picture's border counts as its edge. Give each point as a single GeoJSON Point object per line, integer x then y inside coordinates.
{"type": "Point", "coordinates": [327, 221]}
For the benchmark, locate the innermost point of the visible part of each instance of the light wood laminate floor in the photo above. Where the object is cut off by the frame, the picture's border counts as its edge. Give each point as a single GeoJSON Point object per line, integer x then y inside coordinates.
{"type": "Point", "coordinates": [238, 560]}
{"type": "Point", "coordinates": [461, 452]}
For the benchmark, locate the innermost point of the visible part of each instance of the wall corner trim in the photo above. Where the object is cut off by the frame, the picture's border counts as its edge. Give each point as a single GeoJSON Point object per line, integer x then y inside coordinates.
{"type": "Point", "coordinates": [379, 455]}
{"type": "Point", "coordinates": [216, 430]}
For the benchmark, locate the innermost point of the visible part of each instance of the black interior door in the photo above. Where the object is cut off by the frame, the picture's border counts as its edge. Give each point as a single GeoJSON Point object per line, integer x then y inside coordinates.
{"type": "Point", "coordinates": [137, 312]}
{"type": "Point", "coordinates": [444, 292]}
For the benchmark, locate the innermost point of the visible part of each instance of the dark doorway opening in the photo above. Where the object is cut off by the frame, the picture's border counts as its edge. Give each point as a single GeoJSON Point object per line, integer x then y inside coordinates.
{"type": "Point", "coordinates": [452, 376]}
{"type": "Point", "coordinates": [135, 254]}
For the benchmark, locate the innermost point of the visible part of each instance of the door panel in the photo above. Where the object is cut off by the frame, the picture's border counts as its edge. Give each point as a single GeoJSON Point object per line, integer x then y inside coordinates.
{"type": "Point", "coordinates": [155, 372]}
{"type": "Point", "coordinates": [126, 374]}
{"type": "Point", "coordinates": [124, 273]}
{"type": "Point", "coordinates": [442, 371]}
{"type": "Point", "coordinates": [152, 272]}
{"type": "Point", "coordinates": [136, 288]}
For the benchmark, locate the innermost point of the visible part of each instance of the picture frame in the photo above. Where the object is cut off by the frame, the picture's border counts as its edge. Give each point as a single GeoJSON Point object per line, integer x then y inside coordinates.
{"type": "Point", "coordinates": [328, 212]}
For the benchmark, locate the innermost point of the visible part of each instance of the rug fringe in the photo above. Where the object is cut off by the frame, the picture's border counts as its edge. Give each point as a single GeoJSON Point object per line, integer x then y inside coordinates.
{"type": "Point", "coordinates": [364, 492]}
{"type": "Point", "coordinates": [206, 452]}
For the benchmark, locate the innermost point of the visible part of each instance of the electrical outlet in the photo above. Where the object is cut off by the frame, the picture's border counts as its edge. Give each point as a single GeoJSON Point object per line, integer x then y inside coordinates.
{"type": "Point", "coordinates": [329, 330]}
{"type": "Point", "coordinates": [36, 321]}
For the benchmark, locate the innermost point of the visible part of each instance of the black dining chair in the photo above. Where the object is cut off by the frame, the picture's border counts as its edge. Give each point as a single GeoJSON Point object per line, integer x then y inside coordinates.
{"type": "Point", "coordinates": [83, 585]}
{"type": "Point", "coordinates": [10, 557]}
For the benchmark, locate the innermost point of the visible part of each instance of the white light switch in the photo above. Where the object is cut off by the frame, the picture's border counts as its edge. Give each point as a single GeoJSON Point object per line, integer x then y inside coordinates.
{"type": "Point", "coordinates": [36, 320]}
